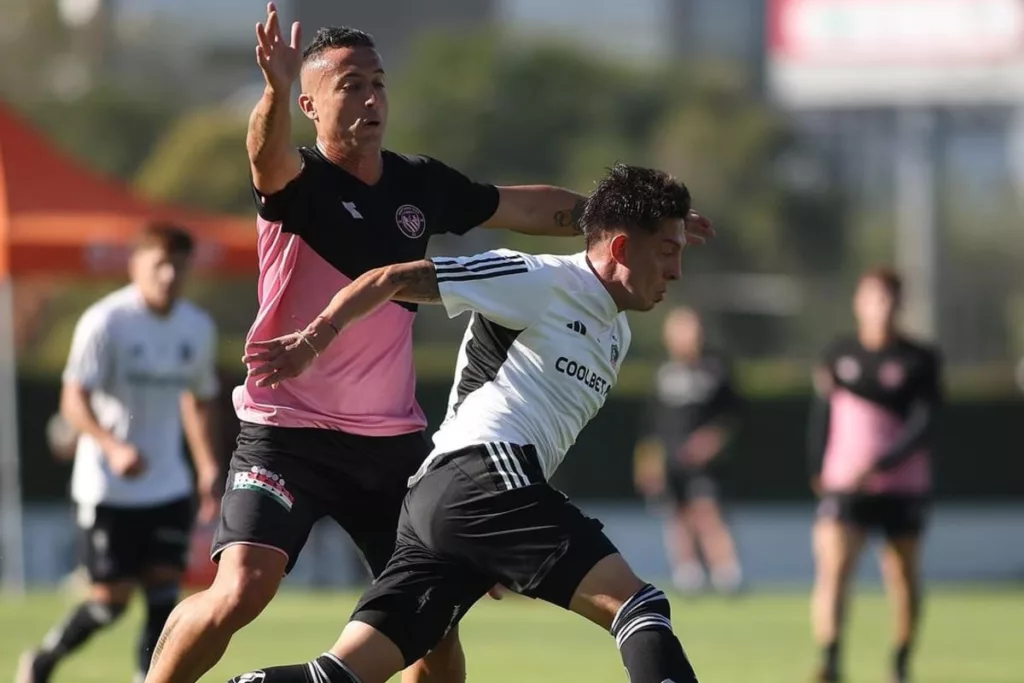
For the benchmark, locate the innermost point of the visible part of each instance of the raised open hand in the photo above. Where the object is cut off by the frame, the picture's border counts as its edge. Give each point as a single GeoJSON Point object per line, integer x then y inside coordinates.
{"type": "Point", "coordinates": [280, 61]}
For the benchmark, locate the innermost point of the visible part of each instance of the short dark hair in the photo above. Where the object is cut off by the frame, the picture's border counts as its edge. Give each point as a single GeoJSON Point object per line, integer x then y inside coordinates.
{"type": "Point", "coordinates": [333, 37]}
{"type": "Point", "coordinates": [887, 277]}
{"type": "Point", "coordinates": [633, 198]}
{"type": "Point", "coordinates": [170, 237]}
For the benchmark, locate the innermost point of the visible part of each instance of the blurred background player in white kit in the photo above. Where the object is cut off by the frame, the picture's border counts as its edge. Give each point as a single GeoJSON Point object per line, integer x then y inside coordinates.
{"type": "Point", "coordinates": [689, 423]}
{"type": "Point", "coordinates": [141, 367]}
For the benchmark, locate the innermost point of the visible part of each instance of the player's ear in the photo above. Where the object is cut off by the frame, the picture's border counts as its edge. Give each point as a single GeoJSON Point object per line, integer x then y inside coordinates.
{"type": "Point", "coordinates": [618, 246]}
{"type": "Point", "coordinates": [307, 106]}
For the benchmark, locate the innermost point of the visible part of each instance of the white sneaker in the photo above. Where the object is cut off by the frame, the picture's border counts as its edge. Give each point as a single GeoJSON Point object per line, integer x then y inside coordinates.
{"type": "Point", "coordinates": [727, 580]}
{"type": "Point", "coordinates": [689, 578]}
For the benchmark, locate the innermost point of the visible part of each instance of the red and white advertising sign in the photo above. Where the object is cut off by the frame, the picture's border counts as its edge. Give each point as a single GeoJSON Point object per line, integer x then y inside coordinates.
{"type": "Point", "coordinates": [824, 53]}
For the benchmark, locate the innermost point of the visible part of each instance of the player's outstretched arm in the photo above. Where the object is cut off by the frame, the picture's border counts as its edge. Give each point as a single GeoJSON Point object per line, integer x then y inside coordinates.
{"type": "Point", "coordinates": [199, 418]}
{"type": "Point", "coordinates": [290, 355]}
{"type": "Point", "coordinates": [556, 212]}
{"type": "Point", "coordinates": [538, 210]}
{"type": "Point", "coordinates": [273, 159]}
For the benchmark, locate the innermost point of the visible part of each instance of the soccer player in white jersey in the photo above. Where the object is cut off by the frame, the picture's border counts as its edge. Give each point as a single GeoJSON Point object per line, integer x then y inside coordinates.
{"type": "Point", "coordinates": [544, 344]}
{"type": "Point", "coordinates": [141, 367]}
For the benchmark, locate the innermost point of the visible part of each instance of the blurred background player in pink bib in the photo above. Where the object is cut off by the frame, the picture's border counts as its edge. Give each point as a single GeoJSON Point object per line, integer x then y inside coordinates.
{"type": "Point", "coordinates": [871, 428]}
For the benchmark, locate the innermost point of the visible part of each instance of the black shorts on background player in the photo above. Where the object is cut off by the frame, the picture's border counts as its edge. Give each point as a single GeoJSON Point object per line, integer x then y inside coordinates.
{"type": "Point", "coordinates": [896, 516]}
{"type": "Point", "coordinates": [301, 475]}
{"type": "Point", "coordinates": [687, 485]}
{"type": "Point", "coordinates": [461, 531]}
{"type": "Point", "coordinates": [122, 542]}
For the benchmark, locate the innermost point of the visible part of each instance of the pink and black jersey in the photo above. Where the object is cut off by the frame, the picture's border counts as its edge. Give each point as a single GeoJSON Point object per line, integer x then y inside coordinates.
{"type": "Point", "coordinates": [878, 414]}
{"type": "Point", "coordinates": [319, 233]}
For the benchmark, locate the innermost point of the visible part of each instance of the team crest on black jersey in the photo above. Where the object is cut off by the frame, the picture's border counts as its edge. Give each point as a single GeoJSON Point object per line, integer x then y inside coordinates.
{"type": "Point", "coordinates": [891, 374]}
{"type": "Point", "coordinates": [410, 221]}
{"type": "Point", "coordinates": [848, 369]}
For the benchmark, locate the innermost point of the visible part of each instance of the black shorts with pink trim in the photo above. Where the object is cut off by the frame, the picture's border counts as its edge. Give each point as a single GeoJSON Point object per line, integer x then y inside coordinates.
{"type": "Point", "coordinates": [282, 481]}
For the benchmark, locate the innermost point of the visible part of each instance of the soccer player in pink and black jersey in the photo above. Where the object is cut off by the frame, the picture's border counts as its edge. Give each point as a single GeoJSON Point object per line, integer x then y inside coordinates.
{"type": "Point", "coordinates": [870, 440]}
{"type": "Point", "coordinates": [342, 440]}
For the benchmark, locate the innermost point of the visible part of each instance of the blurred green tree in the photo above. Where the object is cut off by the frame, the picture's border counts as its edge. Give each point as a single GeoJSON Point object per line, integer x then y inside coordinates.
{"type": "Point", "coordinates": [109, 129]}
{"type": "Point", "coordinates": [201, 162]}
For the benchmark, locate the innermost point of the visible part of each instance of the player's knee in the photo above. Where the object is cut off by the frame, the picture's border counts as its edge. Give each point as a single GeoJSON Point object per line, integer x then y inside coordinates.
{"type": "Point", "coordinates": [605, 589]}
{"type": "Point", "coordinates": [114, 593]}
{"type": "Point", "coordinates": [901, 569]}
{"type": "Point", "coordinates": [106, 613]}
{"type": "Point", "coordinates": [241, 592]}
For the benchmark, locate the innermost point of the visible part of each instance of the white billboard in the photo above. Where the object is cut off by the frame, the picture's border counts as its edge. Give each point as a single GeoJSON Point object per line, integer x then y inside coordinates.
{"type": "Point", "coordinates": [828, 53]}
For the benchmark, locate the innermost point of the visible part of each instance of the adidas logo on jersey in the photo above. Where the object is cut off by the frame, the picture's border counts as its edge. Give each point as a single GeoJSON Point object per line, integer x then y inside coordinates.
{"type": "Point", "coordinates": [577, 326]}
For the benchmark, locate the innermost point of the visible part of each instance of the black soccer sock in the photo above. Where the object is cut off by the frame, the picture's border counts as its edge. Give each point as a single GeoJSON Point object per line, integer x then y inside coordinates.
{"type": "Point", "coordinates": [160, 602]}
{"type": "Point", "coordinates": [649, 649]}
{"type": "Point", "coordinates": [901, 662]}
{"type": "Point", "coordinates": [324, 669]}
{"type": "Point", "coordinates": [830, 661]}
{"type": "Point", "coordinates": [72, 633]}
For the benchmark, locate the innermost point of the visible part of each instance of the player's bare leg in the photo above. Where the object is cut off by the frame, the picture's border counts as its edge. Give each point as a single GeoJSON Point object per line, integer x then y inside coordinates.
{"type": "Point", "coordinates": [199, 629]}
{"type": "Point", "coordinates": [106, 602]}
{"type": "Point", "coordinates": [687, 572]}
{"type": "Point", "coordinates": [837, 547]}
{"type": "Point", "coordinates": [717, 544]}
{"type": "Point", "coordinates": [637, 614]}
{"type": "Point", "coordinates": [446, 663]}
{"type": "Point", "coordinates": [900, 562]}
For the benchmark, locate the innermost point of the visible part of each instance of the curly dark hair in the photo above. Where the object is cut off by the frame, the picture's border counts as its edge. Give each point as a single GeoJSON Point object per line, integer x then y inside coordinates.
{"type": "Point", "coordinates": [332, 37]}
{"type": "Point", "coordinates": [633, 198]}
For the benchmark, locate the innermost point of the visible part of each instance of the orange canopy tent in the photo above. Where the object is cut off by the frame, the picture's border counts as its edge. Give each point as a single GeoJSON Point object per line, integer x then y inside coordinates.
{"type": "Point", "coordinates": [59, 218]}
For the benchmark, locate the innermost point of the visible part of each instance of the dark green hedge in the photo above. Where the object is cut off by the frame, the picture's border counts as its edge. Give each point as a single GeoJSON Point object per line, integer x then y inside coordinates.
{"type": "Point", "coordinates": [981, 452]}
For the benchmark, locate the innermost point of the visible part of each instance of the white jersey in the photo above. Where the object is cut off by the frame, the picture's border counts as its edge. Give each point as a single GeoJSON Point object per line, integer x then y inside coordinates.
{"type": "Point", "coordinates": [541, 352]}
{"type": "Point", "coordinates": [137, 364]}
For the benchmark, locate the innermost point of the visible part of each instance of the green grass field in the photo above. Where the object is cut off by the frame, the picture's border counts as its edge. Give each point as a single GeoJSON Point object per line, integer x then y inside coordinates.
{"type": "Point", "coordinates": [971, 635]}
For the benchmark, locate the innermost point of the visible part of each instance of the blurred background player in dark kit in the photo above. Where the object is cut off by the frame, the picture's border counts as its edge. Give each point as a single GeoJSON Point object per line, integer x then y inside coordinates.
{"type": "Point", "coordinates": [690, 421]}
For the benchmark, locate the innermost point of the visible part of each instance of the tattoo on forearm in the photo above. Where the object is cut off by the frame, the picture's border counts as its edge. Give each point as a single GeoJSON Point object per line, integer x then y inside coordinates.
{"type": "Point", "coordinates": [419, 283]}
{"type": "Point", "coordinates": [259, 131]}
{"type": "Point", "coordinates": [571, 217]}
{"type": "Point", "coordinates": [262, 124]}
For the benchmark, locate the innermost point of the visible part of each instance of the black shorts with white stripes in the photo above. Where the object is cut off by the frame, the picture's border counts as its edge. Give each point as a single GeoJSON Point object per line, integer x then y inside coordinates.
{"type": "Point", "coordinates": [480, 516]}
